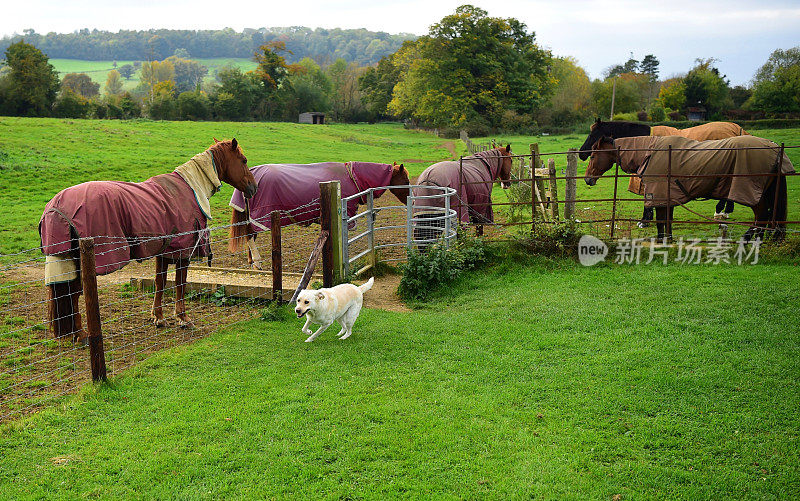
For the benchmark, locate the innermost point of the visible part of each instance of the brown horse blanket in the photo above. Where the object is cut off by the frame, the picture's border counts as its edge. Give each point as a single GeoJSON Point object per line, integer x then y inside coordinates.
{"type": "Point", "coordinates": [161, 215]}
{"type": "Point", "coordinates": [287, 187]}
{"type": "Point", "coordinates": [472, 182]}
{"type": "Point", "coordinates": [649, 160]}
{"type": "Point", "coordinates": [705, 132]}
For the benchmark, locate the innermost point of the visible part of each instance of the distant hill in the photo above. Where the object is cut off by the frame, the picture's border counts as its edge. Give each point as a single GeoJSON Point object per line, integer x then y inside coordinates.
{"type": "Point", "coordinates": [323, 45]}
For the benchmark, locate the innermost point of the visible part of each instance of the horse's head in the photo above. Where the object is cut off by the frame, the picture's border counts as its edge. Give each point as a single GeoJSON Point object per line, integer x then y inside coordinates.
{"type": "Point", "coordinates": [232, 166]}
{"type": "Point", "coordinates": [603, 157]}
{"type": "Point", "coordinates": [506, 164]}
{"type": "Point", "coordinates": [597, 131]}
{"type": "Point", "coordinates": [399, 178]}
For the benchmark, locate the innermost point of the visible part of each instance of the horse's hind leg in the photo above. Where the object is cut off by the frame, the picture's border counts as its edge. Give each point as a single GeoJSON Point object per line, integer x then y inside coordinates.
{"type": "Point", "coordinates": [157, 315]}
{"type": "Point", "coordinates": [181, 272]}
{"type": "Point", "coordinates": [63, 309]}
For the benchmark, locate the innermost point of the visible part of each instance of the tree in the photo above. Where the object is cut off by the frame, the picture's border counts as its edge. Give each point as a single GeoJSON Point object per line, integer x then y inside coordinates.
{"type": "Point", "coordinates": [310, 89]}
{"type": "Point", "coordinates": [346, 103]}
{"type": "Point", "coordinates": [113, 83]}
{"type": "Point", "coordinates": [188, 74]}
{"type": "Point", "coordinates": [649, 66]}
{"type": "Point", "coordinates": [705, 87]}
{"type": "Point", "coordinates": [32, 82]}
{"type": "Point", "coordinates": [154, 72]}
{"type": "Point", "coordinates": [630, 93]}
{"type": "Point", "coordinates": [272, 73]}
{"type": "Point", "coordinates": [471, 68]}
{"type": "Point", "coordinates": [776, 86]}
{"type": "Point", "coordinates": [672, 94]}
{"type": "Point", "coordinates": [572, 99]}
{"type": "Point", "coordinates": [377, 84]}
{"type": "Point", "coordinates": [70, 104]}
{"type": "Point", "coordinates": [237, 95]}
{"type": "Point", "coordinates": [194, 105]}
{"type": "Point", "coordinates": [127, 71]}
{"type": "Point", "coordinates": [81, 84]}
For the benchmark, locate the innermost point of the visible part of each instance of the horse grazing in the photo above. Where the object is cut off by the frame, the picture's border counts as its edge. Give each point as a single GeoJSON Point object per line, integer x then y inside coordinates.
{"type": "Point", "coordinates": [163, 216]}
{"type": "Point", "coordinates": [287, 187]}
{"type": "Point", "coordinates": [647, 157]}
{"type": "Point", "coordinates": [619, 129]}
{"type": "Point", "coordinates": [472, 178]}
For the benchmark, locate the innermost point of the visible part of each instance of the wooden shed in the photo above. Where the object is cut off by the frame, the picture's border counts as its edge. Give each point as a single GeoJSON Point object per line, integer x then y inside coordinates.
{"type": "Point", "coordinates": [312, 117]}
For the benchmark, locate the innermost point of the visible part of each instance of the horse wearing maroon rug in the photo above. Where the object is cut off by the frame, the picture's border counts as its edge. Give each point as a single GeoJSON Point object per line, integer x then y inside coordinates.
{"type": "Point", "coordinates": [163, 217]}
{"type": "Point", "coordinates": [287, 187]}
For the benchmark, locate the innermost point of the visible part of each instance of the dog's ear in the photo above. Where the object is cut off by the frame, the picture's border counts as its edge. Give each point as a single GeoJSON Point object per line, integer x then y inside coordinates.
{"type": "Point", "coordinates": [320, 295]}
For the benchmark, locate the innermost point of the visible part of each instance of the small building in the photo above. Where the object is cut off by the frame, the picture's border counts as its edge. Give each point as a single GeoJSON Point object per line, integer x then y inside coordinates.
{"type": "Point", "coordinates": [696, 114]}
{"type": "Point", "coordinates": [312, 117]}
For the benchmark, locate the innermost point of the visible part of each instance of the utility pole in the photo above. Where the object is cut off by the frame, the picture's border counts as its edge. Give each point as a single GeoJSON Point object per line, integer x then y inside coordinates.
{"type": "Point", "coordinates": [613, 97]}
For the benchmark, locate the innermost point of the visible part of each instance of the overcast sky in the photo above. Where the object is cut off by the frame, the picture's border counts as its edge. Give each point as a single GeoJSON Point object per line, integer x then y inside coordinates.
{"type": "Point", "coordinates": [741, 34]}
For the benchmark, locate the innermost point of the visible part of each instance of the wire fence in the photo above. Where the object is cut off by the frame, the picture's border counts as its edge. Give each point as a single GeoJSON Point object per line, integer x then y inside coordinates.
{"type": "Point", "coordinates": [36, 366]}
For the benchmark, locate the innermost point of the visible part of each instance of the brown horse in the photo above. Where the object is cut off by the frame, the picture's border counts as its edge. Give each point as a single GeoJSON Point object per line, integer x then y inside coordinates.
{"type": "Point", "coordinates": [287, 187]}
{"type": "Point", "coordinates": [164, 217]}
{"type": "Point", "coordinates": [749, 159]}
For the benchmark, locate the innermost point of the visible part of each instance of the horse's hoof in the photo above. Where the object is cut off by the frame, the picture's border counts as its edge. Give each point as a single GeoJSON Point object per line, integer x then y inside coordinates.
{"type": "Point", "coordinates": [185, 324]}
{"type": "Point", "coordinates": [158, 322]}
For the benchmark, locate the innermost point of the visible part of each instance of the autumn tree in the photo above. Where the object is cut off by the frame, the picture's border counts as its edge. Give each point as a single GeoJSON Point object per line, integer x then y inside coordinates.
{"type": "Point", "coordinates": [271, 73]}
{"type": "Point", "coordinates": [114, 83]}
{"type": "Point", "coordinates": [572, 98]}
{"type": "Point", "coordinates": [311, 89]}
{"type": "Point", "coordinates": [346, 104]}
{"type": "Point", "coordinates": [81, 84]}
{"type": "Point", "coordinates": [30, 86]}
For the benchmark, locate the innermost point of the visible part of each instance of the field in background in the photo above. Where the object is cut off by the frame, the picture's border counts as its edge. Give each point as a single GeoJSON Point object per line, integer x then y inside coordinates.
{"type": "Point", "coordinates": [40, 157]}
{"type": "Point", "coordinates": [98, 70]}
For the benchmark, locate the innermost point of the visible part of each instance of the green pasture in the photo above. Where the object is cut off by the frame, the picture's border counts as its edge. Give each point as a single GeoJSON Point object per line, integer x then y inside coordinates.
{"type": "Point", "coordinates": [39, 157]}
{"type": "Point", "coordinates": [604, 188]}
{"type": "Point", "coordinates": [537, 379]}
{"type": "Point", "coordinates": [98, 70]}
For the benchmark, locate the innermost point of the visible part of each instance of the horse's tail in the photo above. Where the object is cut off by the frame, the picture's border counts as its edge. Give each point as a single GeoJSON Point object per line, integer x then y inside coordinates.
{"type": "Point", "coordinates": [62, 310]}
{"type": "Point", "coordinates": [239, 231]}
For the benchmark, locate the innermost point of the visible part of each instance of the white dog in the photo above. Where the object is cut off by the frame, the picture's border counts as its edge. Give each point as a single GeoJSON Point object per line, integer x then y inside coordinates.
{"type": "Point", "coordinates": [323, 306]}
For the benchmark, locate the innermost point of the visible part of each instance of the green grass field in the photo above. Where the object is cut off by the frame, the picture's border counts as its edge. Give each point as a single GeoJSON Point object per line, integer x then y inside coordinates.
{"type": "Point", "coordinates": [40, 157]}
{"type": "Point", "coordinates": [98, 70]}
{"type": "Point", "coordinates": [534, 379]}
{"type": "Point", "coordinates": [633, 209]}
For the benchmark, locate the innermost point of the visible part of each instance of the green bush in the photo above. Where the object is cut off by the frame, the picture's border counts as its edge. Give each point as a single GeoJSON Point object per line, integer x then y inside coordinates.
{"type": "Point", "coordinates": [559, 239]}
{"type": "Point", "coordinates": [426, 271]}
{"type": "Point", "coordinates": [657, 113]}
{"type": "Point", "coordinates": [627, 117]}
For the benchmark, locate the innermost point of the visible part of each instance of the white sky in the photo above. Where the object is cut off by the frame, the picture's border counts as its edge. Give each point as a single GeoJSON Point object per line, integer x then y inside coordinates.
{"type": "Point", "coordinates": [739, 33]}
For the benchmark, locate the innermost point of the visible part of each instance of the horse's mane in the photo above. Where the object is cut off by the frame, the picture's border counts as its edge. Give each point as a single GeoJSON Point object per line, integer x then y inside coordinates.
{"type": "Point", "coordinates": [614, 129]}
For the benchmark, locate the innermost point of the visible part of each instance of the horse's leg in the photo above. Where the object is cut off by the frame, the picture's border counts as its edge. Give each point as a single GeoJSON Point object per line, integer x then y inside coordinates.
{"type": "Point", "coordinates": [668, 224]}
{"type": "Point", "coordinates": [157, 316]}
{"type": "Point", "coordinates": [63, 309]}
{"type": "Point", "coordinates": [181, 271]}
{"type": "Point", "coordinates": [661, 217]}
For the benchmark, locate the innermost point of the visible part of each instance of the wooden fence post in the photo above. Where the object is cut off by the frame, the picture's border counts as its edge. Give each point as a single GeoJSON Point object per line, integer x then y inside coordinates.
{"type": "Point", "coordinates": [572, 185]}
{"type": "Point", "coordinates": [552, 194]}
{"type": "Point", "coordinates": [331, 221]}
{"type": "Point", "coordinates": [97, 357]}
{"type": "Point", "coordinates": [277, 257]}
{"type": "Point", "coordinates": [534, 163]}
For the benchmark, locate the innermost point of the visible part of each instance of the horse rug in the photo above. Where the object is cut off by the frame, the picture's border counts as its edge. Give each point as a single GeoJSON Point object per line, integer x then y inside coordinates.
{"type": "Point", "coordinates": [706, 132]}
{"type": "Point", "coordinates": [471, 178]}
{"type": "Point", "coordinates": [293, 189]}
{"type": "Point", "coordinates": [161, 215]}
{"type": "Point", "coordinates": [648, 157]}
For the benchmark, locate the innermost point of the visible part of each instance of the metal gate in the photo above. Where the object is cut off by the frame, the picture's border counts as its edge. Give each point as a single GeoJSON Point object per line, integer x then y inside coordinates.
{"type": "Point", "coordinates": [428, 219]}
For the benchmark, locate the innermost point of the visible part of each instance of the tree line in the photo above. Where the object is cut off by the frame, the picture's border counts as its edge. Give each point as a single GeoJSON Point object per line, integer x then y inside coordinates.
{"type": "Point", "coordinates": [324, 45]}
{"type": "Point", "coordinates": [471, 71]}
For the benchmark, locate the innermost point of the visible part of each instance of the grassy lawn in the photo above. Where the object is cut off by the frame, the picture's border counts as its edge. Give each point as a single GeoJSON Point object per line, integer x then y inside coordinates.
{"type": "Point", "coordinates": [40, 157]}
{"type": "Point", "coordinates": [98, 70]}
{"type": "Point", "coordinates": [633, 209]}
{"type": "Point", "coordinates": [540, 379]}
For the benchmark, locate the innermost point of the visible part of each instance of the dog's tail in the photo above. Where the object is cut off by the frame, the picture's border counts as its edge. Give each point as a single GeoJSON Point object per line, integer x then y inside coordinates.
{"type": "Point", "coordinates": [367, 286]}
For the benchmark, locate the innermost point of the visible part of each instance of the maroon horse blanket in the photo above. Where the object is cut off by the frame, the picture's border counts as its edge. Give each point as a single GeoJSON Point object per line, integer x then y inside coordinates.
{"type": "Point", "coordinates": [293, 189]}
{"type": "Point", "coordinates": [127, 220]}
{"type": "Point", "coordinates": [472, 179]}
